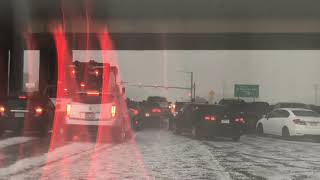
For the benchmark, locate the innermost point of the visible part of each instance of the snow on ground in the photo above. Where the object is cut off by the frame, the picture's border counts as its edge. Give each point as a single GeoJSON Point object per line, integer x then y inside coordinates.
{"type": "Point", "coordinates": [159, 154]}
{"type": "Point", "coordinates": [58, 155]}
{"type": "Point", "coordinates": [15, 140]}
{"type": "Point", "coordinates": [265, 157]}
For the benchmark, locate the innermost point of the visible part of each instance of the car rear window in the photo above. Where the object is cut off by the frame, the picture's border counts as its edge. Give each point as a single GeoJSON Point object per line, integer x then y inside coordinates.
{"type": "Point", "coordinates": [305, 113]}
{"type": "Point", "coordinates": [211, 109]}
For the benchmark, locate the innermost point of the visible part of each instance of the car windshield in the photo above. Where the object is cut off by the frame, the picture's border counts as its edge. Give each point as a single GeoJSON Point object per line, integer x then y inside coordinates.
{"type": "Point", "coordinates": [160, 89]}
{"type": "Point", "coordinates": [305, 113]}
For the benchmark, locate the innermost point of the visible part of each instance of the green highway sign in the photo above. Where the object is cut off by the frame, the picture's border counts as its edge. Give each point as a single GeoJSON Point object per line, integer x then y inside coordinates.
{"type": "Point", "coordinates": [246, 90]}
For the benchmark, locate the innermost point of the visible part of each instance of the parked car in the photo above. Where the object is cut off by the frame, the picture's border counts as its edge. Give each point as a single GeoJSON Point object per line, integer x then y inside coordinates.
{"type": "Point", "coordinates": [288, 122]}
{"type": "Point", "coordinates": [205, 120]}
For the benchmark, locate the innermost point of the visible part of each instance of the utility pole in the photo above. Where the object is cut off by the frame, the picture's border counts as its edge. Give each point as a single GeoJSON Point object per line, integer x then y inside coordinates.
{"type": "Point", "coordinates": [191, 84]}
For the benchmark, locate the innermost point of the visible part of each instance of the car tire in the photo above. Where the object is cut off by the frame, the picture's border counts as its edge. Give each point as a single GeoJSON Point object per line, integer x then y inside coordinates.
{"type": "Point", "coordinates": [285, 132]}
{"type": "Point", "coordinates": [260, 131]}
{"type": "Point", "coordinates": [195, 132]}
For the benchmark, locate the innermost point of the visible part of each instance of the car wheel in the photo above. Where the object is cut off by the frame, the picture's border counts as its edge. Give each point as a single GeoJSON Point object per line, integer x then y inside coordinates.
{"type": "Point", "coordinates": [260, 131]}
{"type": "Point", "coordinates": [195, 132]}
{"type": "Point", "coordinates": [285, 132]}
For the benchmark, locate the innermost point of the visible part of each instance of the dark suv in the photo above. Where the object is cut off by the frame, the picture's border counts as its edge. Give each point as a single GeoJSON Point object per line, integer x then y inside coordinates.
{"type": "Point", "coordinates": [204, 120]}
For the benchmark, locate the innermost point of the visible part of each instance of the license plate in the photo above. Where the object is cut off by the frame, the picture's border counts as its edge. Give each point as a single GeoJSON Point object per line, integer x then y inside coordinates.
{"type": "Point", "coordinates": [18, 114]}
{"type": "Point", "coordinates": [225, 121]}
{"type": "Point", "coordinates": [90, 116]}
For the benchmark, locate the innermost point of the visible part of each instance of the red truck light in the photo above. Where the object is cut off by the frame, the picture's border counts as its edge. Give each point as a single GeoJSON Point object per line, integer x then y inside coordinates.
{"type": "Point", "coordinates": [68, 109]}
{"type": "Point", "coordinates": [82, 85]}
{"type": "Point", "coordinates": [93, 93]}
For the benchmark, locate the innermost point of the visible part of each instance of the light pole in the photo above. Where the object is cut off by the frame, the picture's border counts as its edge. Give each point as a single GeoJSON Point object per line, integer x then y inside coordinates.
{"type": "Point", "coordinates": [192, 92]}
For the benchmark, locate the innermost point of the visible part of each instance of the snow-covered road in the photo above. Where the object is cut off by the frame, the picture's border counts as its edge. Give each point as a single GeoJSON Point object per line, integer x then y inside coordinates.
{"type": "Point", "coordinates": [159, 154]}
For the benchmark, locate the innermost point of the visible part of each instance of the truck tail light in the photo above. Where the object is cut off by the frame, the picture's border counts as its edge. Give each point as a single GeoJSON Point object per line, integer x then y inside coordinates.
{"type": "Point", "coordinates": [82, 85]}
{"type": "Point", "coordinates": [68, 109]}
{"type": "Point", "coordinates": [299, 122]}
{"type": "Point", "coordinates": [96, 72]}
{"type": "Point", "coordinates": [113, 111]}
{"type": "Point", "coordinates": [209, 118]}
{"type": "Point", "coordinates": [93, 93]}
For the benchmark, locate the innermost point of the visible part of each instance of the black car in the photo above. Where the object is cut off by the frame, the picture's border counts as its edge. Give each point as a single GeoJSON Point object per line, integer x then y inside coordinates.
{"type": "Point", "coordinates": [153, 115]}
{"type": "Point", "coordinates": [136, 114]}
{"type": "Point", "coordinates": [26, 114]}
{"type": "Point", "coordinates": [205, 120]}
{"type": "Point", "coordinates": [255, 111]}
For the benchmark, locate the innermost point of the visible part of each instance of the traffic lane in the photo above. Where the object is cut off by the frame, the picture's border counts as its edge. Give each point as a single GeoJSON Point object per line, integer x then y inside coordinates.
{"type": "Point", "coordinates": [267, 158]}
{"type": "Point", "coordinates": [19, 148]}
{"type": "Point", "coordinates": [159, 154]}
{"type": "Point", "coordinates": [152, 154]}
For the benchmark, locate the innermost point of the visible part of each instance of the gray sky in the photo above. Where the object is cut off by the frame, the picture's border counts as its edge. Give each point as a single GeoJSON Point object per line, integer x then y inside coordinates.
{"type": "Point", "coordinates": [282, 75]}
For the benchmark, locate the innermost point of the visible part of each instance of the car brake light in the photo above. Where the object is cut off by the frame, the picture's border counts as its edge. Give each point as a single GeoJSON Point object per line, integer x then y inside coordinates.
{"type": "Point", "coordinates": [299, 122]}
{"type": "Point", "coordinates": [209, 118]}
{"type": "Point", "coordinates": [82, 85]}
{"type": "Point", "coordinates": [239, 120]}
{"type": "Point", "coordinates": [68, 109]}
{"type": "Point", "coordinates": [135, 112]}
{"type": "Point", "coordinates": [156, 110]}
{"type": "Point", "coordinates": [2, 109]}
{"type": "Point", "coordinates": [65, 89]}
{"type": "Point", "coordinates": [38, 110]}
{"type": "Point", "coordinates": [113, 111]}
{"type": "Point", "coordinates": [22, 97]}
{"type": "Point", "coordinates": [93, 93]}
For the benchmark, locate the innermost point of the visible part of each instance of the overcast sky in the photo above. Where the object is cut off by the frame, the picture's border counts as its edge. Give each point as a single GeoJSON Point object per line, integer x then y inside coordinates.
{"type": "Point", "coordinates": [282, 75]}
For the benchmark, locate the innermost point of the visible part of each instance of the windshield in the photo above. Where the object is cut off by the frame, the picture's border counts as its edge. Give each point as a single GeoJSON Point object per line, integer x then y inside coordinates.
{"type": "Point", "coordinates": [160, 89]}
{"type": "Point", "coordinates": [306, 113]}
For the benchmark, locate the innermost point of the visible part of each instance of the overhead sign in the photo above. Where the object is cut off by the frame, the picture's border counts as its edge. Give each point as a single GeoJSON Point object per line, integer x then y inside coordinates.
{"type": "Point", "coordinates": [246, 90]}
